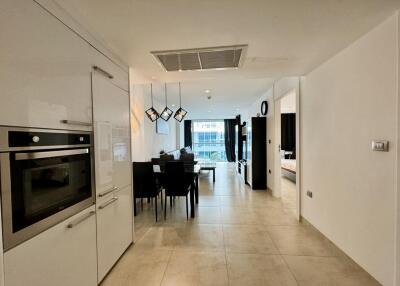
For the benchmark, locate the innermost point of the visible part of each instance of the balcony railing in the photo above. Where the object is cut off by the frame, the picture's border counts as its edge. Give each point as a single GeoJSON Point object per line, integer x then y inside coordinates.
{"type": "Point", "coordinates": [211, 151]}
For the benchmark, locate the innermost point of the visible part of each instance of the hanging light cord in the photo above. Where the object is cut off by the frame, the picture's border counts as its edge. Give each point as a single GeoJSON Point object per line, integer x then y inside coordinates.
{"type": "Point", "coordinates": [166, 104]}
{"type": "Point", "coordinates": [180, 97]}
{"type": "Point", "coordinates": [151, 92]}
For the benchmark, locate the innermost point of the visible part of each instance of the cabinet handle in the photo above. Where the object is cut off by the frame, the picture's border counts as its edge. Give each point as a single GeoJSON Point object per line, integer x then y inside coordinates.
{"type": "Point", "coordinates": [72, 122]}
{"type": "Point", "coordinates": [108, 191]}
{"type": "Point", "coordinates": [107, 74]}
{"type": "Point", "coordinates": [81, 219]}
{"type": "Point", "coordinates": [113, 200]}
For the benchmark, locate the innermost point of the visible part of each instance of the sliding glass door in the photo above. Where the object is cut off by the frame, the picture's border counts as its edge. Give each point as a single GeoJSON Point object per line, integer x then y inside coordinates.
{"type": "Point", "coordinates": [208, 140]}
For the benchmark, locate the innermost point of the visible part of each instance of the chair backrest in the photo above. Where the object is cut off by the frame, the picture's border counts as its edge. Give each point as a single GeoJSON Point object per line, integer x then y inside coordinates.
{"type": "Point", "coordinates": [144, 180]}
{"type": "Point", "coordinates": [164, 159]}
{"type": "Point", "coordinates": [187, 157]}
{"type": "Point", "coordinates": [175, 179]}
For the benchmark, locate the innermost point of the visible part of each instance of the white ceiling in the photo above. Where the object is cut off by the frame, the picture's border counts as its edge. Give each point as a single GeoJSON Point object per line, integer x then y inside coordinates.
{"type": "Point", "coordinates": [285, 37]}
{"type": "Point", "coordinates": [228, 98]}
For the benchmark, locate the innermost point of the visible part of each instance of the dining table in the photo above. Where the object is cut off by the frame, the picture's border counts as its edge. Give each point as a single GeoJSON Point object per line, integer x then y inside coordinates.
{"type": "Point", "coordinates": [193, 171]}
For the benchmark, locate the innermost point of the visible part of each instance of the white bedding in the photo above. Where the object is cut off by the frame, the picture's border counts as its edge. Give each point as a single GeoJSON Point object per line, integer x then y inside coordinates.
{"type": "Point", "coordinates": [289, 165]}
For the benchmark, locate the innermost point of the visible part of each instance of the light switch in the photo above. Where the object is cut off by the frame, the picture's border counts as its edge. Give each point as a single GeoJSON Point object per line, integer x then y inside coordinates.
{"type": "Point", "coordinates": [380, 145]}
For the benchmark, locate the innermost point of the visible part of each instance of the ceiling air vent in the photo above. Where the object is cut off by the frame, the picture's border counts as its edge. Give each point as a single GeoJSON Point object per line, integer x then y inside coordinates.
{"type": "Point", "coordinates": [227, 57]}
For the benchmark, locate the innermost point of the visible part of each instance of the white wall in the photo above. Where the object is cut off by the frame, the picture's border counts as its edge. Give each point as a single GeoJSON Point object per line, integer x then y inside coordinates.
{"type": "Point", "coordinates": [146, 143]}
{"type": "Point", "coordinates": [345, 103]}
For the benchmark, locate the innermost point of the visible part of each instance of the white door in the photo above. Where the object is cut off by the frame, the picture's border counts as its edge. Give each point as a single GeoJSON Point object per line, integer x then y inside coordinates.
{"type": "Point", "coordinates": [44, 70]}
{"type": "Point", "coordinates": [277, 149]}
{"type": "Point", "coordinates": [111, 134]}
{"type": "Point", "coordinates": [114, 228]}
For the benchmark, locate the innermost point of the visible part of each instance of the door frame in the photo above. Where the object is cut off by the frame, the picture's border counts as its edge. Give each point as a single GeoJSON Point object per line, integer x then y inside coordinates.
{"type": "Point", "coordinates": [277, 162]}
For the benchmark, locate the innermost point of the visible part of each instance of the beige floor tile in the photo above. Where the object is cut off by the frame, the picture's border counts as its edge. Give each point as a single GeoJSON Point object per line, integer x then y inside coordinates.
{"type": "Point", "coordinates": [208, 215]}
{"type": "Point", "coordinates": [209, 201]}
{"type": "Point", "coordinates": [201, 237]}
{"type": "Point", "coordinates": [301, 240]}
{"type": "Point", "coordinates": [257, 269]}
{"type": "Point", "coordinates": [196, 268]}
{"type": "Point", "coordinates": [240, 215]}
{"type": "Point", "coordinates": [139, 267]}
{"type": "Point", "coordinates": [248, 239]}
{"type": "Point", "coordinates": [249, 228]}
{"type": "Point", "coordinates": [334, 271]}
{"type": "Point", "coordinates": [162, 237]}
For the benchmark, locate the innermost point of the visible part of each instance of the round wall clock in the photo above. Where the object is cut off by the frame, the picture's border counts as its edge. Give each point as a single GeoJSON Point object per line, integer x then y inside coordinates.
{"type": "Point", "coordinates": [264, 107]}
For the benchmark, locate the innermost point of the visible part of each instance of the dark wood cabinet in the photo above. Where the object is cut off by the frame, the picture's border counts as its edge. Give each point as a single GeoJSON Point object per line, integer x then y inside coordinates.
{"type": "Point", "coordinates": [257, 153]}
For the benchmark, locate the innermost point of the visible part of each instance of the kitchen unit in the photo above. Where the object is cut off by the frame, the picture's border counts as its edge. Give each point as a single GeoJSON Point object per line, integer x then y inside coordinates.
{"type": "Point", "coordinates": [55, 80]}
{"type": "Point", "coordinates": [113, 170]}
{"type": "Point", "coordinates": [44, 72]}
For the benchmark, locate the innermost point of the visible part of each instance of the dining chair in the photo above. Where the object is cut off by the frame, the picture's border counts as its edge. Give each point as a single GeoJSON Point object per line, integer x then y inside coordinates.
{"type": "Point", "coordinates": [145, 184]}
{"type": "Point", "coordinates": [177, 184]}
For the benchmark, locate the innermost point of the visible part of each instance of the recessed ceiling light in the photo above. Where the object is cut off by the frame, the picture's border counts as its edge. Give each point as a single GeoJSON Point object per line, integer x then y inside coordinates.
{"type": "Point", "coordinates": [207, 91]}
{"type": "Point", "coordinates": [173, 105]}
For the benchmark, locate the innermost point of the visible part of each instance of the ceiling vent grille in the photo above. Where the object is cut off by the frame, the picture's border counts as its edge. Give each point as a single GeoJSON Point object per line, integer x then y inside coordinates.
{"type": "Point", "coordinates": [227, 57]}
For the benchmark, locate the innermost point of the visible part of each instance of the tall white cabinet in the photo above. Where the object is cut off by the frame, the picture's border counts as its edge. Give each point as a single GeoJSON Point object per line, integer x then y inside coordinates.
{"type": "Point", "coordinates": [44, 70]}
{"type": "Point", "coordinates": [113, 169]}
{"type": "Point", "coordinates": [51, 77]}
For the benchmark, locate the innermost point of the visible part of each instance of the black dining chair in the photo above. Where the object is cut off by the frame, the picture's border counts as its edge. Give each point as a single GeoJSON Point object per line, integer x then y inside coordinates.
{"type": "Point", "coordinates": [145, 184]}
{"type": "Point", "coordinates": [177, 184]}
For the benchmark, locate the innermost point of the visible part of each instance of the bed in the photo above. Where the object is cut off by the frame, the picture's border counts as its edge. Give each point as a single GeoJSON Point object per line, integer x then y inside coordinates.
{"type": "Point", "coordinates": [289, 169]}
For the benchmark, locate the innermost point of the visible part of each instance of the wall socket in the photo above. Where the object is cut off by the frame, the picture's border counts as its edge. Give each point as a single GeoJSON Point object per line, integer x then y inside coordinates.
{"type": "Point", "coordinates": [309, 193]}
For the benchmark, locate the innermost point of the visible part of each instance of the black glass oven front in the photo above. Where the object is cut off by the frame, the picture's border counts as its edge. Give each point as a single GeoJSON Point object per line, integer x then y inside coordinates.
{"type": "Point", "coordinates": [44, 186]}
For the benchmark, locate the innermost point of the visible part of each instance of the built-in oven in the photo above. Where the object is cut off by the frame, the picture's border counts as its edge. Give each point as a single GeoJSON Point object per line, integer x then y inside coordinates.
{"type": "Point", "coordinates": [46, 177]}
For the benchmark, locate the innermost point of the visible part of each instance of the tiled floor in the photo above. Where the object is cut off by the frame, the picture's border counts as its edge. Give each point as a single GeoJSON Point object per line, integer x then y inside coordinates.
{"type": "Point", "coordinates": [239, 237]}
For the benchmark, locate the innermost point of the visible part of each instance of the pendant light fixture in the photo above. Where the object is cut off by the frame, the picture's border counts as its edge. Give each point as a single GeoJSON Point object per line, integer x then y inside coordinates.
{"type": "Point", "coordinates": [180, 113]}
{"type": "Point", "coordinates": [166, 113]}
{"type": "Point", "coordinates": [151, 113]}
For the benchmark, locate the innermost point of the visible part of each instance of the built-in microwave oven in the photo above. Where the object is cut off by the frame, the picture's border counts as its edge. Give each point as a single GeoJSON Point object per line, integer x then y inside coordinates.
{"type": "Point", "coordinates": [46, 177]}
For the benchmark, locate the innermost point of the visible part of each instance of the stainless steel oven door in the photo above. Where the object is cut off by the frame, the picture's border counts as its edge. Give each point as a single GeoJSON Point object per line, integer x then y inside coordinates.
{"type": "Point", "coordinates": [42, 188]}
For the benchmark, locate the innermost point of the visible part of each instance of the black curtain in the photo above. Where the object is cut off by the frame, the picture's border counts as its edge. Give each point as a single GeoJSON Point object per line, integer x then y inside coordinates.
{"type": "Point", "coordinates": [288, 132]}
{"type": "Point", "coordinates": [230, 139]}
{"type": "Point", "coordinates": [188, 133]}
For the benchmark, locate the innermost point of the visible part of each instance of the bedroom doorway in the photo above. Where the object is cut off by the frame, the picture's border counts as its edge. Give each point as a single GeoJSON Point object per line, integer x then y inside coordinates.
{"type": "Point", "coordinates": [286, 165]}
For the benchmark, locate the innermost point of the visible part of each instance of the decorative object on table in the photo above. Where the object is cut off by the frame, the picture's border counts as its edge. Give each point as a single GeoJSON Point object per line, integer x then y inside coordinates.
{"type": "Point", "coordinates": [162, 127]}
{"type": "Point", "coordinates": [180, 113]}
{"type": "Point", "coordinates": [166, 113]}
{"type": "Point", "coordinates": [264, 107]}
{"type": "Point", "coordinates": [151, 113]}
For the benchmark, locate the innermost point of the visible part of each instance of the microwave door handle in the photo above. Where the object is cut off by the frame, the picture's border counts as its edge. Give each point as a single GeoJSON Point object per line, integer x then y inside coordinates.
{"type": "Point", "coordinates": [50, 154]}
{"type": "Point", "coordinates": [80, 219]}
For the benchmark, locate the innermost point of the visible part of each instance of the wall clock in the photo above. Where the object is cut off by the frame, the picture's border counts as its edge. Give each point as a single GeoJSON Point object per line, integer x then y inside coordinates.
{"type": "Point", "coordinates": [264, 107]}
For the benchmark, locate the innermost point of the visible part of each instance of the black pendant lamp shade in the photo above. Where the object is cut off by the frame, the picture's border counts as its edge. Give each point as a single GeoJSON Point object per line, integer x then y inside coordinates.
{"type": "Point", "coordinates": [180, 113]}
{"type": "Point", "coordinates": [151, 113]}
{"type": "Point", "coordinates": [166, 113]}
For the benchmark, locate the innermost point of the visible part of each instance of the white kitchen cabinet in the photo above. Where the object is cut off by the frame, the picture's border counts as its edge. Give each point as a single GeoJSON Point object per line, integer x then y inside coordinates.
{"type": "Point", "coordinates": [45, 70]}
{"type": "Point", "coordinates": [62, 255]}
{"type": "Point", "coordinates": [114, 228]}
{"type": "Point", "coordinates": [115, 73]}
{"type": "Point", "coordinates": [111, 134]}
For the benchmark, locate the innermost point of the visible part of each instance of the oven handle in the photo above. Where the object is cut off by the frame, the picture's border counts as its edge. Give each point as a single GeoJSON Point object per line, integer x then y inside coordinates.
{"type": "Point", "coordinates": [50, 154]}
{"type": "Point", "coordinates": [81, 219]}
{"type": "Point", "coordinates": [108, 203]}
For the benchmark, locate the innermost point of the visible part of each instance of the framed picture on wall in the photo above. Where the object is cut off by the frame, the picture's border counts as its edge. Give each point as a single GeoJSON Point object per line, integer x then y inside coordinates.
{"type": "Point", "coordinates": [162, 127]}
